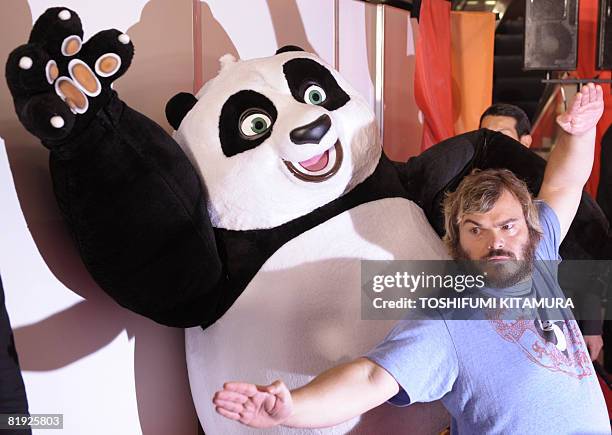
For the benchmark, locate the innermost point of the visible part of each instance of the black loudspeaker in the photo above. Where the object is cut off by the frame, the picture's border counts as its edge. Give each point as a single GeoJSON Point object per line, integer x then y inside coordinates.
{"type": "Point", "coordinates": [551, 35]}
{"type": "Point", "coordinates": [604, 35]}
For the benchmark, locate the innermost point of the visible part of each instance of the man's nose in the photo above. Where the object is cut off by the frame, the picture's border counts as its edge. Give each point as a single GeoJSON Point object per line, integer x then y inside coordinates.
{"type": "Point", "coordinates": [496, 241]}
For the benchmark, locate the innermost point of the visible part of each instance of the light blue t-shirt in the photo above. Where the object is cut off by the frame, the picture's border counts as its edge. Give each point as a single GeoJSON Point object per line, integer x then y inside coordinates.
{"type": "Point", "coordinates": [499, 376]}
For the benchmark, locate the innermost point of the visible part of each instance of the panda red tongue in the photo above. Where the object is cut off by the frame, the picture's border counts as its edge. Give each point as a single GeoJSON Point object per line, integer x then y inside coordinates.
{"type": "Point", "coordinates": [316, 163]}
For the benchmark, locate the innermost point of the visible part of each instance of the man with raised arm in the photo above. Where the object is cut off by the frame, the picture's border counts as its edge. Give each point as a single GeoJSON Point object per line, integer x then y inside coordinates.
{"type": "Point", "coordinates": [512, 121]}
{"type": "Point", "coordinates": [493, 375]}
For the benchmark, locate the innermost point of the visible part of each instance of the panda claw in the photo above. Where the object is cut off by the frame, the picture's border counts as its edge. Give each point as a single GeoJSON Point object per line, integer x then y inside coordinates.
{"type": "Point", "coordinates": [25, 62]}
{"type": "Point", "coordinates": [64, 15]}
{"type": "Point", "coordinates": [57, 121]}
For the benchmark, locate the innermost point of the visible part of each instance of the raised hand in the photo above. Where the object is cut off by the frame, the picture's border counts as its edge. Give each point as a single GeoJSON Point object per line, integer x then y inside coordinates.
{"type": "Point", "coordinates": [254, 405]}
{"type": "Point", "coordinates": [58, 82]}
{"type": "Point", "coordinates": [584, 111]}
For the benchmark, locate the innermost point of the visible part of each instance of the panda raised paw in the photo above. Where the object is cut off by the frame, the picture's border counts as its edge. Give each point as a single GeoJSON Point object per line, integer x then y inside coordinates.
{"type": "Point", "coordinates": [58, 82]}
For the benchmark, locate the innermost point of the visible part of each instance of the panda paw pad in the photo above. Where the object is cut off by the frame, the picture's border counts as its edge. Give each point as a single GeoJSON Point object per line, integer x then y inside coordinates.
{"type": "Point", "coordinates": [56, 68]}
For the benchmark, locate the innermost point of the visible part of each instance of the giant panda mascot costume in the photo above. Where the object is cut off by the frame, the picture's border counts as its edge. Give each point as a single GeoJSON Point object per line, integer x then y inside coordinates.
{"type": "Point", "coordinates": [248, 226]}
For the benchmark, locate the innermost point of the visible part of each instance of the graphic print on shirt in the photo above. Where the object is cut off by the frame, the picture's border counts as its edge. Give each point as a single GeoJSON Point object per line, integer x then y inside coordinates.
{"type": "Point", "coordinates": [555, 346]}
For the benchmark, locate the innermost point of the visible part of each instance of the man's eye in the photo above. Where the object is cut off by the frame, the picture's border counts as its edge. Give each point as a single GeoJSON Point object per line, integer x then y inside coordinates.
{"type": "Point", "coordinates": [508, 227]}
{"type": "Point", "coordinates": [475, 230]}
{"type": "Point", "coordinates": [314, 95]}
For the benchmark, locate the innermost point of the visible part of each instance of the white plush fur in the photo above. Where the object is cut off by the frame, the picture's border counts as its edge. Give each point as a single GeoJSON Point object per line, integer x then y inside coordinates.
{"type": "Point", "coordinates": [226, 60]}
{"type": "Point", "coordinates": [301, 315]}
{"type": "Point", "coordinates": [254, 189]}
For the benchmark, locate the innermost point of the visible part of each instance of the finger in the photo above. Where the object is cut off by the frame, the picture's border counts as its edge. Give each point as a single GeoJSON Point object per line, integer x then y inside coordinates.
{"type": "Point", "coordinates": [599, 93]}
{"type": "Point", "coordinates": [281, 394]}
{"type": "Point", "coordinates": [58, 31]}
{"type": "Point", "coordinates": [564, 119]}
{"type": "Point", "coordinates": [241, 387]}
{"type": "Point", "coordinates": [228, 414]}
{"type": "Point", "coordinates": [229, 406]}
{"type": "Point", "coordinates": [577, 102]}
{"type": "Point", "coordinates": [592, 93]}
{"type": "Point", "coordinates": [275, 388]}
{"type": "Point", "coordinates": [28, 70]}
{"type": "Point", "coordinates": [284, 395]}
{"type": "Point", "coordinates": [45, 116]}
{"type": "Point", "coordinates": [109, 53]}
{"type": "Point", "coordinates": [231, 396]}
{"type": "Point", "coordinates": [271, 404]}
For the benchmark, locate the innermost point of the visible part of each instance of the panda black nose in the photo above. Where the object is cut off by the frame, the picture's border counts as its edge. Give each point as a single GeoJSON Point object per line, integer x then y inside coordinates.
{"type": "Point", "coordinates": [312, 132]}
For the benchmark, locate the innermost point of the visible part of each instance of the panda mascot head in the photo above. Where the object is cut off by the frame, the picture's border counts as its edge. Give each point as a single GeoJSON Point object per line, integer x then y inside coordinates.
{"type": "Point", "coordinates": [275, 138]}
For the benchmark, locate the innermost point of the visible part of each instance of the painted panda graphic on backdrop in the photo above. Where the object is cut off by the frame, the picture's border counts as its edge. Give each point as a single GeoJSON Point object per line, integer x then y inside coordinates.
{"type": "Point", "coordinates": [249, 226]}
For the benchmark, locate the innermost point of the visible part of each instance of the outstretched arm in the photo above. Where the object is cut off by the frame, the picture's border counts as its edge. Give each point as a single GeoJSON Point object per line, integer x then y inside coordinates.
{"type": "Point", "coordinates": [334, 396]}
{"type": "Point", "coordinates": [131, 198]}
{"type": "Point", "coordinates": [571, 161]}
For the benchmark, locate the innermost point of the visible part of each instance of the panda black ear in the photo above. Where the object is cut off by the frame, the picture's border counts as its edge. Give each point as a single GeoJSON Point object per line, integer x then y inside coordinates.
{"type": "Point", "coordinates": [288, 48]}
{"type": "Point", "coordinates": [178, 107]}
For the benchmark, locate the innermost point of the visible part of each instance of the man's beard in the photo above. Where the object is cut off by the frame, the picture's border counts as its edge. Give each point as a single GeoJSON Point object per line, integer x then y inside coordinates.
{"type": "Point", "coordinates": [503, 274]}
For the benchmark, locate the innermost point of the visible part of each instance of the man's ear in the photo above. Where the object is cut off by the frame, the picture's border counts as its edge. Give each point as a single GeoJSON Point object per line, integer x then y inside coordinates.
{"type": "Point", "coordinates": [526, 140]}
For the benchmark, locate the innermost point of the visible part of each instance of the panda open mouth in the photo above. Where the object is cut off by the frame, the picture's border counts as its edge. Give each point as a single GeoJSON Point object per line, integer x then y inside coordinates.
{"type": "Point", "coordinates": [320, 167]}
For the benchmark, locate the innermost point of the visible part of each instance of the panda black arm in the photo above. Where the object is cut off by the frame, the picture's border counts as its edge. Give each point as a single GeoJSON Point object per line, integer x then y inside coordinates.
{"type": "Point", "coordinates": [132, 200]}
{"type": "Point", "coordinates": [137, 211]}
{"type": "Point", "coordinates": [427, 176]}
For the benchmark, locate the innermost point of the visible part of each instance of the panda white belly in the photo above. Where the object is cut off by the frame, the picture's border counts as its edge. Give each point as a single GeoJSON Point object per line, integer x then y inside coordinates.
{"type": "Point", "coordinates": [301, 314]}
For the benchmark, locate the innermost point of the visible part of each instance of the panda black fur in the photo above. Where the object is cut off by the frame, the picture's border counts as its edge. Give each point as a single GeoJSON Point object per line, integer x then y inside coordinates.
{"type": "Point", "coordinates": [231, 236]}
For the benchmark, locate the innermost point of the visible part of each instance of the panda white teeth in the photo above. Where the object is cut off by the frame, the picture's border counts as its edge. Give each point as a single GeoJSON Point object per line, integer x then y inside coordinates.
{"type": "Point", "coordinates": [320, 167]}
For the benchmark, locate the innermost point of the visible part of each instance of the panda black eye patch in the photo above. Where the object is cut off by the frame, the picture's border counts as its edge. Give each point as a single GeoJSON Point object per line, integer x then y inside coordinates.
{"type": "Point", "coordinates": [246, 122]}
{"type": "Point", "coordinates": [303, 73]}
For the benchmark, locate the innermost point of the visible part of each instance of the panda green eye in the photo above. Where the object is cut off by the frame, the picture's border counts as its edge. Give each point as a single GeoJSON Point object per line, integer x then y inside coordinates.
{"type": "Point", "coordinates": [314, 95]}
{"type": "Point", "coordinates": [255, 124]}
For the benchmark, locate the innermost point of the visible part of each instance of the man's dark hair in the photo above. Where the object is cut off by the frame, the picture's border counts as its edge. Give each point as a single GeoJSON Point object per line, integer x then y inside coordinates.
{"type": "Point", "coordinates": [523, 126]}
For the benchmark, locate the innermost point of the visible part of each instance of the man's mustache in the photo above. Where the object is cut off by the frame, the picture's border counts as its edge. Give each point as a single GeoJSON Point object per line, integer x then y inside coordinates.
{"type": "Point", "coordinates": [499, 253]}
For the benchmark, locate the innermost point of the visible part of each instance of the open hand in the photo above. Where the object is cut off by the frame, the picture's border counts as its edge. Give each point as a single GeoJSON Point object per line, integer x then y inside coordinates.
{"type": "Point", "coordinates": [584, 112]}
{"type": "Point", "coordinates": [254, 405]}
